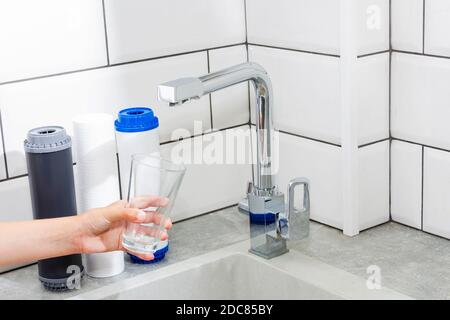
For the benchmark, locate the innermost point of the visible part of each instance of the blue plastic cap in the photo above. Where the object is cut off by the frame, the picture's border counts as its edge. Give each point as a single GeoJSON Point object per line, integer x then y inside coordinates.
{"type": "Point", "coordinates": [136, 120]}
{"type": "Point", "coordinates": [158, 256]}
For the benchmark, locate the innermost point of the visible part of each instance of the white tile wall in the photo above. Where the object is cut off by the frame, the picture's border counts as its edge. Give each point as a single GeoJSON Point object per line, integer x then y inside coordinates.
{"type": "Point", "coordinates": [139, 29]}
{"type": "Point", "coordinates": [71, 36]}
{"type": "Point", "coordinates": [406, 183]}
{"type": "Point", "coordinates": [306, 88]}
{"type": "Point", "coordinates": [50, 36]}
{"type": "Point", "coordinates": [373, 185]}
{"type": "Point", "coordinates": [311, 25]}
{"type": "Point", "coordinates": [230, 107]}
{"type": "Point", "coordinates": [419, 113]}
{"type": "Point", "coordinates": [207, 187]}
{"type": "Point", "coordinates": [373, 98]}
{"type": "Point", "coordinates": [436, 201]}
{"type": "Point", "coordinates": [407, 25]}
{"type": "Point", "coordinates": [321, 164]}
{"type": "Point", "coordinates": [15, 201]}
{"type": "Point", "coordinates": [420, 99]}
{"type": "Point", "coordinates": [56, 100]}
{"type": "Point", "coordinates": [373, 25]}
{"type": "Point", "coordinates": [437, 26]}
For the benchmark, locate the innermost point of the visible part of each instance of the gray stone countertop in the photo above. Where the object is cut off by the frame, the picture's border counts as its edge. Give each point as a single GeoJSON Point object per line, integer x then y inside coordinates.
{"type": "Point", "coordinates": [411, 262]}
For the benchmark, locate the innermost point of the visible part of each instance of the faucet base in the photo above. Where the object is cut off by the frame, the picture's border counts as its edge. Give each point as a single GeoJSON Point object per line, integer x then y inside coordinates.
{"type": "Point", "coordinates": [271, 248]}
{"type": "Point", "coordinates": [243, 206]}
{"type": "Point", "coordinates": [267, 218]}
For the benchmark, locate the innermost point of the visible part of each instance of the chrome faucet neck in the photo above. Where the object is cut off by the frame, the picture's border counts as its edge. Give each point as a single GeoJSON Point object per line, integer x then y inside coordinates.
{"type": "Point", "coordinates": [185, 89]}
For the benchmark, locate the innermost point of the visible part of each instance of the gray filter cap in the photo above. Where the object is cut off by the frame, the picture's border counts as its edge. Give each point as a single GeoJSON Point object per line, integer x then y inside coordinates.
{"type": "Point", "coordinates": [47, 139]}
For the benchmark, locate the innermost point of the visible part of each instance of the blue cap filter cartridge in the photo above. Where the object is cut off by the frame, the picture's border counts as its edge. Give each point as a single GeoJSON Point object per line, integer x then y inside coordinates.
{"type": "Point", "coordinates": [137, 133]}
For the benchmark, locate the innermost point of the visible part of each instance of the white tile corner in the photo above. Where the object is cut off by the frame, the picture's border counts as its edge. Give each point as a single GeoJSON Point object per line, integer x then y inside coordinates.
{"type": "Point", "coordinates": [373, 185]}
{"type": "Point", "coordinates": [306, 87]}
{"type": "Point", "coordinates": [309, 25]}
{"type": "Point", "coordinates": [406, 183]}
{"type": "Point", "coordinates": [373, 98]}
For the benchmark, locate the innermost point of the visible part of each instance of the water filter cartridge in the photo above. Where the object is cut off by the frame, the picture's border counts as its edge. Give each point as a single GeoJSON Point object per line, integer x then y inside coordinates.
{"type": "Point", "coordinates": [136, 132]}
{"type": "Point", "coordinates": [97, 180]}
{"type": "Point", "coordinates": [50, 174]}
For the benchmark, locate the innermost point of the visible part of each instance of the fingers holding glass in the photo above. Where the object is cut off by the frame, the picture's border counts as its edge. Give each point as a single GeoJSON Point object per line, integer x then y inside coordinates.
{"type": "Point", "coordinates": [143, 202]}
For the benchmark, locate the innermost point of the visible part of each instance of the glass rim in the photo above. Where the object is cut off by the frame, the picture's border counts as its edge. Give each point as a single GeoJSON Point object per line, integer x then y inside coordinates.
{"type": "Point", "coordinates": [139, 158]}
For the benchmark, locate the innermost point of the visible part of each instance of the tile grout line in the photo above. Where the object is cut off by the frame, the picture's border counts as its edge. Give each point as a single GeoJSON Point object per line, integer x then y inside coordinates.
{"type": "Point", "coordinates": [248, 88]}
{"type": "Point", "coordinates": [423, 172]}
{"type": "Point", "coordinates": [417, 229]}
{"type": "Point", "coordinates": [423, 27]}
{"type": "Point", "coordinates": [106, 32]}
{"type": "Point", "coordinates": [209, 95]}
{"type": "Point", "coordinates": [248, 94]}
{"type": "Point", "coordinates": [119, 64]}
{"type": "Point", "coordinates": [203, 134]}
{"type": "Point", "coordinates": [295, 50]}
{"type": "Point", "coordinates": [373, 142]}
{"type": "Point", "coordinates": [206, 213]}
{"type": "Point", "coordinates": [421, 54]}
{"type": "Point", "coordinates": [390, 109]}
{"type": "Point", "coordinates": [53, 75]}
{"type": "Point", "coordinates": [245, 21]}
{"type": "Point", "coordinates": [3, 146]}
{"type": "Point", "coordinates": [373, 53]}
{"type": "Point", "coordinates": [118, 174]}
{"type": "Point", "coordinates": [421, 144]}
{"type": "Point", "coordinates": [248, 60]}
{"type": "Point", "coordinates": [328, 142]}
{"type": "Point", "coordinates": [15, 177]}
{"type": "Point", "coordinates": [110, 65]}
{"type": "Point", "coordinates": [309, 138]}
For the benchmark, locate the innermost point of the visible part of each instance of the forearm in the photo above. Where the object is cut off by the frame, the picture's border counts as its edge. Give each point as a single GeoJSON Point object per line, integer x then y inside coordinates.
{"type": "Point", "coordinates": [27, 241]}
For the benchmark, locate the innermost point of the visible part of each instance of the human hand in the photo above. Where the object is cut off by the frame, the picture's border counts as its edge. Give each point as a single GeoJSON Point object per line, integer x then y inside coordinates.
{"type": "Point", "coordinates": [101, 229]}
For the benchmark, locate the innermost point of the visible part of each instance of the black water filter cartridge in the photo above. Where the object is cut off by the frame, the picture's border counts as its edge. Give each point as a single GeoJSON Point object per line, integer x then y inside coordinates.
{"type": "Point", "coordinates": [50, 174]}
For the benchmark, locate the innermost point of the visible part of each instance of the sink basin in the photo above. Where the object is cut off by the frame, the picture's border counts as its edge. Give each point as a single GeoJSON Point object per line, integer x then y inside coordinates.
{"type": "Point", "coordinates": [232, 273]}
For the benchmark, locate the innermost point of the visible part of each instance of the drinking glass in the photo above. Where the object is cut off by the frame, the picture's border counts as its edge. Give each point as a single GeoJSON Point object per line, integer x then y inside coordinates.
{"type": "Point", "coordinates": [151, 175]}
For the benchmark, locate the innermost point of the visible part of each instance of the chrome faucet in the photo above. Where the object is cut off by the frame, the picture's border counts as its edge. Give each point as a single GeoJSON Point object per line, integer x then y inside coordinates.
{"type": "Point", "coordinates": [182, 90]}
{"type": "Point", "coordinates": [265, 203]}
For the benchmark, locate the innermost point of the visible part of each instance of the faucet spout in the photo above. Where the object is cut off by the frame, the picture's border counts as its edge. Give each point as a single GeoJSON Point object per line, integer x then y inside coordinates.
{"type": "Point", "coordinates": [182, 90]}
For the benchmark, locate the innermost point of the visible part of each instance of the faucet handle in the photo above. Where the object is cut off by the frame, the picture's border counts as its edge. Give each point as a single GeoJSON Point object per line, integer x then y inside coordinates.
{"type": "Point", "coordinates": [291, 192]}
{"type": "Point", "coordinates": [286, 219]}
{"type": "Point", "coordinates": [250, 187]}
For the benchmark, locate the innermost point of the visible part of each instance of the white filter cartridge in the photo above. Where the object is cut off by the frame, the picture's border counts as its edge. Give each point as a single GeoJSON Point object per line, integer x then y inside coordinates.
{"type": "Point", "coordinates": [97, 180]}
